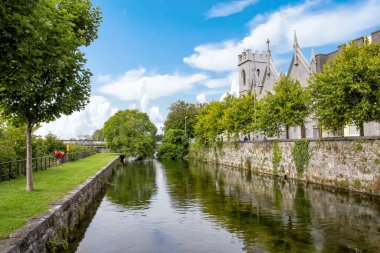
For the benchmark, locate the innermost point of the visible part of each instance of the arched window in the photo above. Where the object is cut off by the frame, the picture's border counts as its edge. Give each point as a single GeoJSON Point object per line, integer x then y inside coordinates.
{"type": "Point", "coordinates": [243, 78]}
{"type": "Point", "coordinates": [258, 72]}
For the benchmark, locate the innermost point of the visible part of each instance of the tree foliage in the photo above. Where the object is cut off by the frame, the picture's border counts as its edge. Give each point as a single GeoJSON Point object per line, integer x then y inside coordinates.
{"type": "Point", "coordinates": [47, 146]}
{"type": "Point", "coordinates": [176, 117]}
{"type": "Point", "coordinates": [174, 145]}
{"type": "Point", "coordinates": [42, 70]}
{"type": "Point", "coordinates": [348, 89]}
{"type": "Point", "coordinates": [131, 133]}
{"type": "Point", "coordinates": [239, 114]}
{"type": "Point", "coordinates": [98, 135]}
{"type": "Point", "coordinates": [209, 122]}
{"type": "Point", "coordinates": [287, 106]}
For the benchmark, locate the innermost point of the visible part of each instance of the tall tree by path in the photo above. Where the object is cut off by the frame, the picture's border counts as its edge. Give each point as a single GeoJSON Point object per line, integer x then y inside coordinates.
{"type": "Point", "coordinates": [42, 70]}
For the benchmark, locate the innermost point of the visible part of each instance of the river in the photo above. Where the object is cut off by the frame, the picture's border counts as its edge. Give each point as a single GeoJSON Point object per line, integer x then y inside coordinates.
{"type": "Point", "coordinates": [196, 207]}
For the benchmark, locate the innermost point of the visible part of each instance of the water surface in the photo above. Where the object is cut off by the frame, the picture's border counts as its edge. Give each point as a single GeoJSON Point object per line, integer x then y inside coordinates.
{"type": "Point", "coordinates": [195, 207]}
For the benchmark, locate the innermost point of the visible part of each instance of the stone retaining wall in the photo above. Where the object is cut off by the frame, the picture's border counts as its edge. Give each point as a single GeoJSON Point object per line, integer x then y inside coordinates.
{"type": "Point", "coordinates": [50, 231]}
{"type": "Point", "coordinates": [350, 164]}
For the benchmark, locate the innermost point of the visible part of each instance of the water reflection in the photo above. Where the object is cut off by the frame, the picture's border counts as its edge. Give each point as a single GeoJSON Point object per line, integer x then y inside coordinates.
{"type": "Point", "coordinates": [195, 207]}
{"type": "Point", "coordinates": [133, 186]}
{"type": "Point", "coordinates": [273, 215]}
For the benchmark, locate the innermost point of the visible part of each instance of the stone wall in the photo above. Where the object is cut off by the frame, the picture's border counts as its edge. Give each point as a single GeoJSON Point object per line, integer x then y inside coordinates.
{"type": "Point", "coordinates": [50, 231]}
{"type": "Point", "coordinates": [347, 163]}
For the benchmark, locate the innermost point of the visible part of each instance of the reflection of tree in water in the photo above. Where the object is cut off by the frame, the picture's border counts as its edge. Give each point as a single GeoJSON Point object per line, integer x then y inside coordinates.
{"type": "Point", "coordinates": [180, 182]}
{"type": "Point", "coordinates": [133, 185]}
{"type": "Point", "coordinates": [237, 210]}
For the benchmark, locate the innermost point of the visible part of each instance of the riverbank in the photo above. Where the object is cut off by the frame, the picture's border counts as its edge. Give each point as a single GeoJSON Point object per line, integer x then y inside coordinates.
{"type": "Point", "coordinates": [18, 206]}
{"type": "Point", "coordinates": [351, 164]}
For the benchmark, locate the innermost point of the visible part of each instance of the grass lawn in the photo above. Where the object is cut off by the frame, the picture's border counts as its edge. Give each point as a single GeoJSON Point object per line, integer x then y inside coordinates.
{"type": "Point", "coordinates": [17, 206]}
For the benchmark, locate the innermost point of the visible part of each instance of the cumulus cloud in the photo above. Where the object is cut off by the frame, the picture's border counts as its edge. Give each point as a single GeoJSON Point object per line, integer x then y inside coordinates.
{"type": "Point", "coordinates": [201, 98]}
{"type": "Point", "coordinates": [135, 83]}
{"type": "Point", "coordinates": [84, 122]}
{"type": "Point", "coordinates": [144, 102]}
{"type": "Point", "coordinates": [315, 26]}
{"type": "Point", "coordinates": [156, 117]}
{"type": "Point", "coordinates": [228, 8]}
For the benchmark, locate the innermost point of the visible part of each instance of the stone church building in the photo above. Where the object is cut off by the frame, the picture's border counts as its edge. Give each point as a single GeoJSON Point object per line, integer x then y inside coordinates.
{"type": "Point", "coordinates": [258, 73]}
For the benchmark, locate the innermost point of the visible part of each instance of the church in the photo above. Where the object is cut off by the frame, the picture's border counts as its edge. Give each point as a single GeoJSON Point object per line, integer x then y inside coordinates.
{"type": "Point", "coordinates": [257, 73]}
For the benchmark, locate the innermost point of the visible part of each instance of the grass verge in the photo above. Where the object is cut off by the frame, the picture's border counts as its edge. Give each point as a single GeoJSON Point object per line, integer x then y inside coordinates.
{"type": "Point", "coordinates": [17, 206]}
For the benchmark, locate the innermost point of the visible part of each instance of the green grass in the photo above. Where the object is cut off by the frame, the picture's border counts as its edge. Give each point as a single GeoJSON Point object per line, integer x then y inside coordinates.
{"type": "Point", "coordinates": [17, 206]}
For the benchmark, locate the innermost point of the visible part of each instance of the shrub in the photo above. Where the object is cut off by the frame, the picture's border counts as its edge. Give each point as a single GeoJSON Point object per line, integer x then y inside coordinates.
{"type": "Point", "coordinates": [174, 145]}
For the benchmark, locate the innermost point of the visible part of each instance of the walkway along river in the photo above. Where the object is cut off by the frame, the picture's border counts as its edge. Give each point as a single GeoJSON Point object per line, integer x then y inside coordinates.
{"type": "Point", "coordinates": [195, 207]}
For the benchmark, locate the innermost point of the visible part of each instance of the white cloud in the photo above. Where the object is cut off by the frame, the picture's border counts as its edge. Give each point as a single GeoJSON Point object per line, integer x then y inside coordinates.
{"type": "Point", "coordinates": [201, 98]}
{"type": "Point", "coordinates": [135, 83]}
{"type": "Point", "coordinates": [144, 102]}
{"type": "Point", "coordinates": [84, 122]}
{"type": "Point", "coordinates": [104, 78]}
{"type": "Point", "coordinates": [314, 26]}
{"type": "Point", "coordinates": [228, 8]}
{"type": "Point", "coordinates": [156, 117]}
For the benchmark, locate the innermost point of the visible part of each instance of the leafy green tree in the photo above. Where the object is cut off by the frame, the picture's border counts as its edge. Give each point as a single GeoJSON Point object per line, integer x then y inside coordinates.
{"type": "Point", "coordinates": [239, 114]}
{"type": "Point", "coordinates": [47, 75]}
{"type": "Point", "coordinates": [209, 122]}
{"type": "Point", "coordinates": [131, 133]}
{"type": "Point", "coordinates": [98, 135]}
{"type": "Point", "coordinates": [178, 111]}
{"type": "Point", "coordinates": [348, 91]}
{"type": "Point", "coordinates": [287, 106]}
{"type": "Point", "coordinates": [12, 142]}
{"type": "Point", "coordinates": [47, 146]}
{"type": "Point", "coordinates": [174, 145]}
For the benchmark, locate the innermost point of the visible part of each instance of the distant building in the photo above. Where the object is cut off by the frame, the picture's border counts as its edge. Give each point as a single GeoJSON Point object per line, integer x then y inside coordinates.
{"type": "Point", "coordinates": [258, 74]}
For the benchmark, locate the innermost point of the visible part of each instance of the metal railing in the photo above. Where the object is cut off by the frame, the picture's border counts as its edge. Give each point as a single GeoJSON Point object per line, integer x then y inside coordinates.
{"type": "Point", "coordinates": [13, 169]}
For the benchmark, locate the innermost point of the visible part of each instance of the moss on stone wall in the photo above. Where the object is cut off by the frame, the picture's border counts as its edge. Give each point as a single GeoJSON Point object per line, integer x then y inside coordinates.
{"type": "Point", "coordinates": [277, 155]}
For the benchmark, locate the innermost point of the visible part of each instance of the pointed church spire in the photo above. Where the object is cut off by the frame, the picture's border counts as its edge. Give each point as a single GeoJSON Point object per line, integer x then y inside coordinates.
{"type": "Point", "coordinates": [268, 57]}
{"type": "Point", "coordinates": [282, 72]}
{"type": "Point", "coordinates": [268, 49]}
{"type": "Point", "coordinates": [295, 42]}
{"type": "Point", "coordinates": [295, 46]}
{"type": "Point", "coordinates": [312, 55]}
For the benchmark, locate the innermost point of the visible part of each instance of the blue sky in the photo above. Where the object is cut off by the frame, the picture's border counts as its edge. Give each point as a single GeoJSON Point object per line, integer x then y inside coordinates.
{"type": "Point", "coordinates": [151, 53]}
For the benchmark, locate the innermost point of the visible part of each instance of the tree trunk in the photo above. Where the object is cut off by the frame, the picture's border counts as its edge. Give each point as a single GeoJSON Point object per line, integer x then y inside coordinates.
{"type": "Point", "coordinates": [361, 129]}
{"type": "Point", "coordinates": [29, 170]}
{"type": "Point", "coordinates": [286, 132]}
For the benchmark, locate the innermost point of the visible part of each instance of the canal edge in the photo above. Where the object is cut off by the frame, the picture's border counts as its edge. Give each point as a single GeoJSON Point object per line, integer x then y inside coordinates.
{"type": "Point", "coordinates": [51, 228]}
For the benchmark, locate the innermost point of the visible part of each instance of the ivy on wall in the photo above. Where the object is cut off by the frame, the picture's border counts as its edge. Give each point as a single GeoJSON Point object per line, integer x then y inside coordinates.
{"type": "Point", "coordinates": [277, 155]}
{"type": "Point", "coordinates": [301, 155]}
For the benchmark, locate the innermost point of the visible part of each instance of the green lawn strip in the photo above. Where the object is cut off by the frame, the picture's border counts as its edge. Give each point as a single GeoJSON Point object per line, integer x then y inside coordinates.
{"type": "Point", "coordinates": [17, 206]}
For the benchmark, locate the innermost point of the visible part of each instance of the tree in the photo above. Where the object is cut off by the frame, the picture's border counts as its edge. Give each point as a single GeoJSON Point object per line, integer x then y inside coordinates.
{"type": "Point", "coordinates": [47, 146]}
{"type": "Point", "coordinates": [239, 114]}
{"type": "Point", "coordinates": [45, 74]}
{"type": "Point", "coordinates": [287, 106]}
{"type": "Point", "coordinates": [178, 111]}
{"type": "Point", "coordinates": [98, 135]}
{"type": "Point", "coordinates": [348, 89]}
{"type": "Point", "coordinates": [209, 122]}
{"type": "Point", "coordinates": [131, 133]}
{"type": "Point", "coordinates": [175, 145]}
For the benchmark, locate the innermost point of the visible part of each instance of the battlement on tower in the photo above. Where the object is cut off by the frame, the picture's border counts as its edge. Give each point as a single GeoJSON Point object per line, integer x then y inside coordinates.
{"type": "Point", "coordinates": [249, 56]}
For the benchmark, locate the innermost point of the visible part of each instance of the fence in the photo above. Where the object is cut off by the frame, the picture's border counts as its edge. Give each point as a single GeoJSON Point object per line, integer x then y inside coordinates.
{"type": "Point", "coordinates": [13, 169]}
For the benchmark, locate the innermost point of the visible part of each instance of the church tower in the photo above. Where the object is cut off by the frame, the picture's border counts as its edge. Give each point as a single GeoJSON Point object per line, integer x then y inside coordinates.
{"type": "Point", "coordinates": [246, 65]}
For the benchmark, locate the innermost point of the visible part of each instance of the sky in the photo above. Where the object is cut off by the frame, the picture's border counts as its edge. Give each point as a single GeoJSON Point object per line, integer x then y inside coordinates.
{"type": "Point", "coordinates": [151, 53]}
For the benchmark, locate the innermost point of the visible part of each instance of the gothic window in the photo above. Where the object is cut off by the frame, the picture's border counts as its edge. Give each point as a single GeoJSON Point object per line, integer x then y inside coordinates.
{"type": "Point", "coordinates": [258, 72]}
{"type": "Point", "coordinates": [243, 77]}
